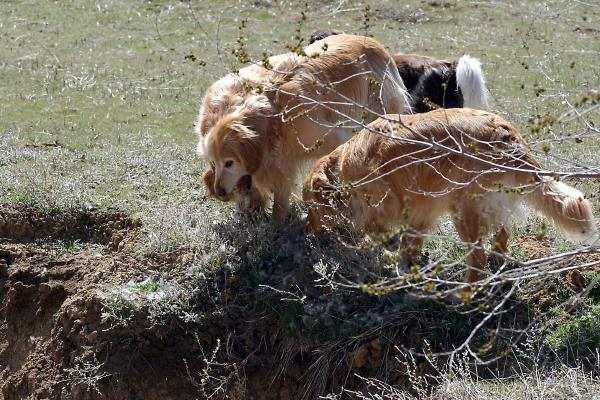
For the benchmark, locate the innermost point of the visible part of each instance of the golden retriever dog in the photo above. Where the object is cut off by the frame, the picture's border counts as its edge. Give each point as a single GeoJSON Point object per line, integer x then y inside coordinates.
{"type": "Point", "coordinates": [433, 83]}
{"type": "Point", "coordinates": [410, 170]}
{"type": "Point", "coordinates": [309, 107]}
{"type": "Point", "coordinates": [224, 97]}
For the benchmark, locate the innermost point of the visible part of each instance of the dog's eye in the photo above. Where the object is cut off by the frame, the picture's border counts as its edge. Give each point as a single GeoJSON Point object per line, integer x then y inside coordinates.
{"type": "Point", "coordinates": [228, 163]}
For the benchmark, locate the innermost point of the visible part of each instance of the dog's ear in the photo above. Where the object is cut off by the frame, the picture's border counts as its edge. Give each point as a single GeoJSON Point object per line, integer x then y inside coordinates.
{"type": "Point", "coordinates": [283, 96]}
{"type": "Point", "coordinates": [322, 34]}
{"type": "Point", "coordinates": [209, 181]}
{"type": "Point", "coordinates": [248, 146]}
{"type": "Point", "coordinates": [257, 131]}
{"type": "Point", "coordinates": [201, 147]}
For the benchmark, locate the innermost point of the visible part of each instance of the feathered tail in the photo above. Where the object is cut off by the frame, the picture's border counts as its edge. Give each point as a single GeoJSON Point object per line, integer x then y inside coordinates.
{"type": "Point", "coordinates": [471, 81]}
{"type": "Point", "coordinates": [567, 208]}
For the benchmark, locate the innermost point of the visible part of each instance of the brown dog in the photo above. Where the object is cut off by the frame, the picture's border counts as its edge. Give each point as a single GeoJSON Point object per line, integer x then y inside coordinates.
{"type": "Point", "coordinates": [311, 105]}
{"type": "Point", "coordinates": [471, 164]}
{"type": "Point", "coordinates": [433, 83]}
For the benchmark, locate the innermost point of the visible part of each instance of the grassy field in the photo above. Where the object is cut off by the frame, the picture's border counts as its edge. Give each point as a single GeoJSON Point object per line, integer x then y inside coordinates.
{"type": "Point", "coordinates": [97, 107]}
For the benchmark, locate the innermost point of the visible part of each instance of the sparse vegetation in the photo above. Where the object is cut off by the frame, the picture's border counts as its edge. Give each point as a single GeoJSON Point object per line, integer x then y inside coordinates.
{"type": "Point", "coordinates": [176, 290]}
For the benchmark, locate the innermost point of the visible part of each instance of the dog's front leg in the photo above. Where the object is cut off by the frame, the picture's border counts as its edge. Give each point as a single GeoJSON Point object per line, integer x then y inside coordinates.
{"type": "Point", "coordinates": [500, 245]}
{"type": "Point", "coordinates": [208, 177]}
{"type": "Point", "coordinates": [252, 203]}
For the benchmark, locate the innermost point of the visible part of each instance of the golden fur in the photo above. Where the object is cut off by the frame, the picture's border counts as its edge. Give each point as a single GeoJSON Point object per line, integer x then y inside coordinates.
{"type": "Point", "coordinates": [309, 106]}
{"type": "Point", "coordinates": [407, 180]}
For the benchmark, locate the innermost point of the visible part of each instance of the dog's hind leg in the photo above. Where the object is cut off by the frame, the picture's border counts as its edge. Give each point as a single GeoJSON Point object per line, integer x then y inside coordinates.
{"type": "Point", "coordinates": [281, 202]}
{"type": "Point", "coordinates": [472, 227]}
{"type": "Point", "coordinates": [410, 248]}
{"type": "Point", "coordinates": [499, 245]}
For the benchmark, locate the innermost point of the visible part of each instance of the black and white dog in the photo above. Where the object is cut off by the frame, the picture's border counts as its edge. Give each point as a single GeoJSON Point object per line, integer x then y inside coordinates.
{"type": "Point", "coordinates": [433, 83]}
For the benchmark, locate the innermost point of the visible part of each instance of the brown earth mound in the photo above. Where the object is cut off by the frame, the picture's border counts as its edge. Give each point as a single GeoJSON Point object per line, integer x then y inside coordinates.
{"type": "Point", "coordinates": [53, 341]}
{"type": "Point", "coordinates": [25, 224]}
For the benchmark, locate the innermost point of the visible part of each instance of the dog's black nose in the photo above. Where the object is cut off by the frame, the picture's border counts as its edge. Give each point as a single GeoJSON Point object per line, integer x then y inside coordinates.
{"type": "Point", "coordinates": [221, 192]}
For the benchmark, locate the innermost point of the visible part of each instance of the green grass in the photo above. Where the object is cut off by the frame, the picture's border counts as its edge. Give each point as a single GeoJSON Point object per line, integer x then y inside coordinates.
{"type": "Point", "coordinates": [148, 287]}
{"type": "Point", "coordinates": [577, 334]}
{"type": "Point", "coordinates": [70, 245]}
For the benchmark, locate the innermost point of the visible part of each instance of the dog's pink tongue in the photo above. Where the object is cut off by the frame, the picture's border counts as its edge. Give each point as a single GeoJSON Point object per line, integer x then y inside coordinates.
{"type": "Point", "coordinates": [244, 184]}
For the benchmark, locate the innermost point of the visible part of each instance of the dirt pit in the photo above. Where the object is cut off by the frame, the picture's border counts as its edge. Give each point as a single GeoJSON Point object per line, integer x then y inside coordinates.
{"type": "Point", "coordinates": [54, 340]}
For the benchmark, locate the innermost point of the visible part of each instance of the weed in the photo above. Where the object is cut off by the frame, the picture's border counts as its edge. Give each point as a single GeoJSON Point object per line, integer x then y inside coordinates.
{"type": "Point", "coordinates": [577, 334]}
{"type": "Point", "coordinates": [87, 373]}
{"type": "Point", "coordinates": [116, 309]}
{"type": "Point", "coordinates": [70, 245]}
{"type": "Point", "coordinates": [147, 287]}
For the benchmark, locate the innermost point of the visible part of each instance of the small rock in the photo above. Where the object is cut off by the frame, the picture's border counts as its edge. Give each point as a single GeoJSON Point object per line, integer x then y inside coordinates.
{"type": "Point", "coordinates": [117, 238]}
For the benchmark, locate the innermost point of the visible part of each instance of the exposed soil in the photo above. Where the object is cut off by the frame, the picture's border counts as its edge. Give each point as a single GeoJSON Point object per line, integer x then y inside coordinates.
{"type": "Point", "coordinates": [50, 315]}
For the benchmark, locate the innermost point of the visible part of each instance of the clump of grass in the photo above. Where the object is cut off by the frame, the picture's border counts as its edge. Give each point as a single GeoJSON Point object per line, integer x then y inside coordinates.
{"type": "Point", "coordinates": [524, 380]}
{"type": "Point", "coordinates": [147, 287]}
{"type": "Point", "coordinates": [87, 373]}
{"type": "Point", "coordinates": [116, 308]}
{"type": "Point", "coordinates": [575, 330]}
{"type": "Point", "coordinates": [589, 277]}
{"type": "Point", "coordinates": [157, 300]}
{"type": "Point", "coordinates": [69, 245]}
{"type": "Point", "coordinates": [561, 382]}
{"type": "Point", "coordinates": [578, 334]}
{"type": "Point", "coordinates": [184, 225]}
{"type": "Point", "coordinates": [32, 199]}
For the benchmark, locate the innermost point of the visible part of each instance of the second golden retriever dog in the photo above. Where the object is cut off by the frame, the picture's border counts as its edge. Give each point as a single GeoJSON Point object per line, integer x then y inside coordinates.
{"type": "Point", "coordinates": [470, 164]}
{"type": "Point", "coordinates": [433, 83]}
{"type": "Point", "coordinates": [304, 112]}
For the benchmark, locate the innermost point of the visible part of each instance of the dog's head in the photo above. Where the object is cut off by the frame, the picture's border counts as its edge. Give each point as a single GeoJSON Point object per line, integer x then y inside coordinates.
{"type": "Point", "coordinates": [322, 194]}
{"type": "Point", "coordinates": [234, 153]}
{"type": "Point", "coordinates": [322, 34]}
{"type": "Point", "coordinates": [234, 148]}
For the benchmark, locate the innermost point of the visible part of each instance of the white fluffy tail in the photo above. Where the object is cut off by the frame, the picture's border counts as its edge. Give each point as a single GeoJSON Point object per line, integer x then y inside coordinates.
{"type": "Point", "coordinates": [567, 208]}
{"type": "Point", "coordinates": [471, 81]}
